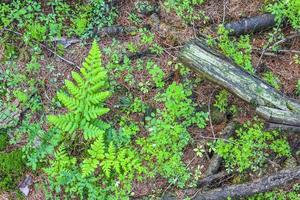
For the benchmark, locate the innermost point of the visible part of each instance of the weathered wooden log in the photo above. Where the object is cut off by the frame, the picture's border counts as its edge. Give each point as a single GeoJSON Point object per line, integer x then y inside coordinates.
{"type": "Point", "coordinates": [269, 103]}
{"type": "Point", "coordinates": [261, 185]}
{"type": "Point", "coordinates": [251, 24]}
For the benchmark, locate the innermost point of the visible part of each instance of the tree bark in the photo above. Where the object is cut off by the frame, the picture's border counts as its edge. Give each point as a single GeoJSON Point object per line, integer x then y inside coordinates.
{"type": "Point", "coordinates": [261, 185]}
{"type": "Point", "coordinates": [270, 104]}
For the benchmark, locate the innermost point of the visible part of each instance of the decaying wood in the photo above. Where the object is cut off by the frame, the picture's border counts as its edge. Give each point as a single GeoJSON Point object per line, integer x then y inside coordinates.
{"type": "Point", "coordinates": [261, 185]}
{"type": "Point", "coordinates": [282, 127]}
{"type": "Point", "coordinates": [216, 160]}
{"type": "Point", "coordinates": [209, 180]}
{"type": "Point", "coordinates": [251, 24]}
{"type": "Point", "coordinates": [272, 105]}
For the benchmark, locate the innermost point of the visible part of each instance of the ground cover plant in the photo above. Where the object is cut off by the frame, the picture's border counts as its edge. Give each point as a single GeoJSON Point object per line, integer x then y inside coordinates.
{"type": "Point", "coordinates": [96, 104]}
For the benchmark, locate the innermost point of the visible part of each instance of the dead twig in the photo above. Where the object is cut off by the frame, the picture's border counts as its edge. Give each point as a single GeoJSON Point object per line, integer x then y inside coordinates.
{"type": "Point", "coordinates": [45, 47]}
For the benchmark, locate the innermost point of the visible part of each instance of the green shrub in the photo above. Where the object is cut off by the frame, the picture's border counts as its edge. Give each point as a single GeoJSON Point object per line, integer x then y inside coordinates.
{"type": "Point", "coordinates": [168, 135]}
{"type": "Point", "coordinates": [185, 9]}
{"type": "Point", "coordinates": [251, 147]}
{"type": "Point", "coordinates": [239, 50]}
{"type": "Point", "coordinates": [298, 88]}
{"type": "Point", "coordinates": [3, 141]}
{"type": "Point", "coordinates": [222, 100]}
{"type": "Point", "coordinates": [273, 80]}
{"type": "Point", "coordinates": [294, 194]}
{"type": "Point", "coordinates": [286, 9]}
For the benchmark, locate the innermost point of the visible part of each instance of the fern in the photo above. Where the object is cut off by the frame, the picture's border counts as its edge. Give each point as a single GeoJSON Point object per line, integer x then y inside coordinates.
{"type": "Point", "coordinates": [123, 162]}
{"type": "Point", "coordinates": [104, 163]}
{"type": "Point", "coordinates": [84, 98]}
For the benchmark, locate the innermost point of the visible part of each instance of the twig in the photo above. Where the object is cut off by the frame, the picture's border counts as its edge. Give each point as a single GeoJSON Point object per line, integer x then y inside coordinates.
{"type": "Point", "coordinates": [290, 37]}
{"type": "Point", "coordinates": [47, 48]}
{"type": "Point", "coordinates": [265, 49]}
{"type": "Point", "coordinates": [271, 53]}
{"type": "Point", "coordinates": [224, 10]}
{"type": "Point", "coordinates": [209, 114]}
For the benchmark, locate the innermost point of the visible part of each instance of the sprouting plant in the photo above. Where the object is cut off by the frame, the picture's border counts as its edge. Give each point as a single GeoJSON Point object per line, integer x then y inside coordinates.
{"type": "Point", "coordinates": [298, 88]}
{"type": "Point", "coordinates": [222, 100]}
{"type": "Point", "coordinates": [286, 9]}
{"type": "Point", "coordinates": [147, 37]}
{"type": "Point", "coordinates": [168, 134]}
{"type": "Point", "coordinates": [239, 50]}
{"type": "Point", "coordinates": [273, 80]}
{"type": "Point", "coordinates": [186, 9]}
{"type": "Point", "coordinates": [293, 194]}
{"type": "Point", "coordinates": [156, 73]}
{"type": "Point", "coordinates": [251, 147]}
{"type": "Point", "coordinates": [297, 59]}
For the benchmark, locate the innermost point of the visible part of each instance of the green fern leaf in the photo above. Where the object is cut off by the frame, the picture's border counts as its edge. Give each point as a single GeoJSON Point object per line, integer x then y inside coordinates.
{"type": "Point", "coordinates": [88, 166]}
{"type": "Point", "coordinates": [84, 98]}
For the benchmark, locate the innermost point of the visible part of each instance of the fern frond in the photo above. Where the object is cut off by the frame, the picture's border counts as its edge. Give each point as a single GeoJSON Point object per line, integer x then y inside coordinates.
{"type": "Point", "coordinates": [84, 97]}
{"type": "Point", "coordinates": [69, 102]}
{"type": "Point", "coordinates": [111, 155]}
{"type": "Point", "coordinates": [67, 123]}
{"type": "Point", "coordinates": [93, 112]}
{"type": "Point", "coordinates": [106, 166]}
{"type": "Point", "coordinates": [110, 160]}
{"type": "Point", "coordinates": [88, 166]}
{"type": "Point", "coordinates": [97, 98]}
{"type": "Point", "coordinates": [90, 131]}
{"type": "Point", "coordinates": [73, 89]}
{"type": "Point", "coordinates": [79, 80]}
{"type": "Point", "coordinates": [97, 149]}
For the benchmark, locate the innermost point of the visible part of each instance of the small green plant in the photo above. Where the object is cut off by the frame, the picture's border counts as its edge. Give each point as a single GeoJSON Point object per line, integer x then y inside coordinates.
{"type": "Point", "coordinates": [251, 147]}
{"type": "Point", "coordinates": [286, 9]}
{"type": "Point", "coordinates": [239, 50]}
{"type": "Point", "coordinates": [293, 194]}
{"type": "Point", "coordinates": [12, 165]}
{"type": "Point", "coordinates": [222, 100]}
{"type": "Point", "coordinates": [298, 88]}
{"type": "Point", "coordinates": [185, 9]}
{"type": "Point", "coordinates": [273, 80]}
{"type": "Point", "coordinates": [168, 134]}
{"type": "Point", "coordinates": [156, 73]}
{"type": "Point", "coordinates": [85, 98]}
{"type": "Point", "coordinates": [3, 141]}
{"type": "Point", "coordinates": [102, 164]}
{"type": "Point", "coordinates": [297, 59]}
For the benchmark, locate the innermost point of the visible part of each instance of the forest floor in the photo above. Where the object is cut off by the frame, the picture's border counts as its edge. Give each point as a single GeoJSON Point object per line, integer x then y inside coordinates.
{"type": "Point", "coordinates": [172, 34]}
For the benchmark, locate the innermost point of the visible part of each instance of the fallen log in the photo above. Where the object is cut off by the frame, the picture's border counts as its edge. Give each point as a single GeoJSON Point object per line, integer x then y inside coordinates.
{"type": "Point", "coordinates": [269, 103]}
{"type": "Point", "coordinates": [251, 24]}
{"type": "Point", "coordinates": [261, 185]}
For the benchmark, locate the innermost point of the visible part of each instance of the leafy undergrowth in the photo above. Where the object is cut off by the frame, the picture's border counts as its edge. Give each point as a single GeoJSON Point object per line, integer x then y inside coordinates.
{"type": "Point", "coordinates": [131, 120]}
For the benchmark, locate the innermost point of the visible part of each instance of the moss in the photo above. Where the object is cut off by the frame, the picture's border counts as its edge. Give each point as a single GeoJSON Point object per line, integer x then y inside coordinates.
{"type": "Point", "coordinates": [3, 141]}
{"type": "Point", "coordinates": [12, 166]}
